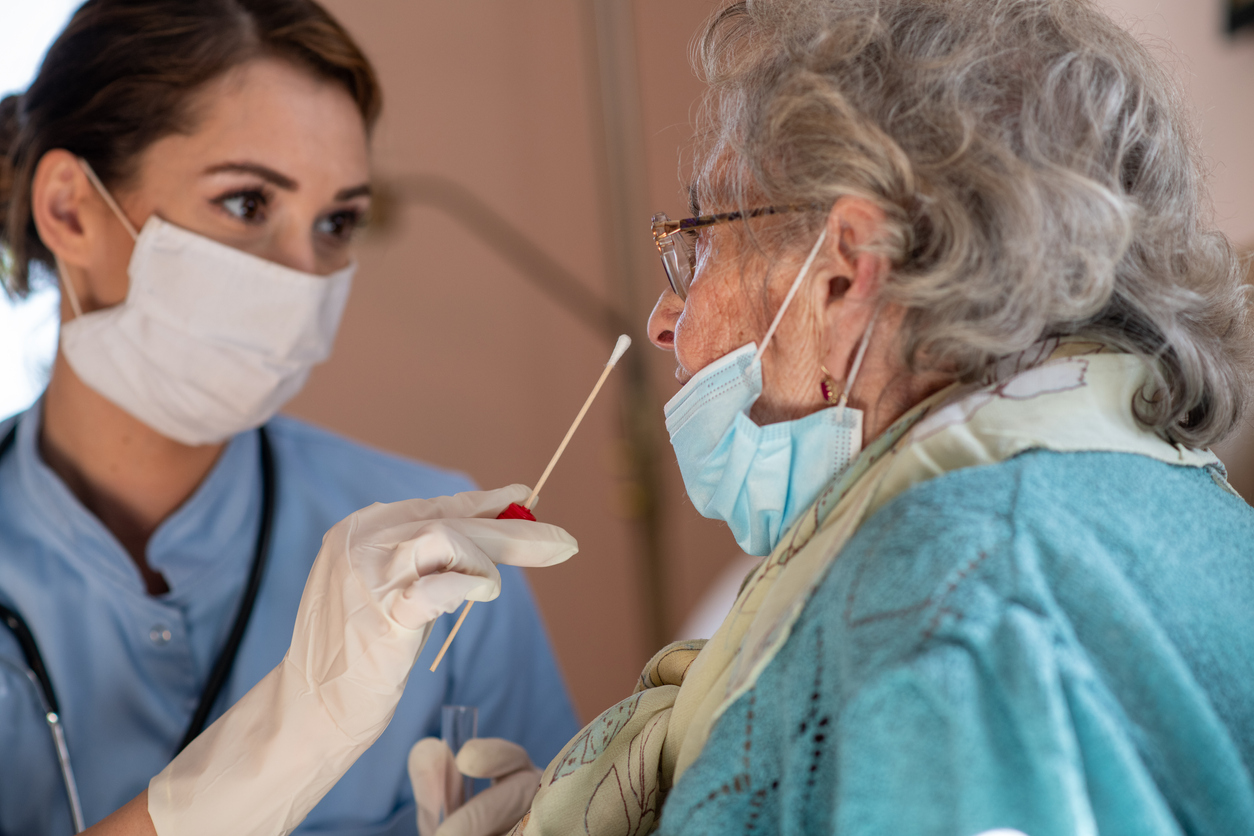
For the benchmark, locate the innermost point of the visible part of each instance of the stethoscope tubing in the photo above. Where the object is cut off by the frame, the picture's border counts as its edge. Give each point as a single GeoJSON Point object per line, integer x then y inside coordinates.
{"type": "Point", "coordinates": [37, 673]}
{"type": "Point", "coordinates": [47, 701]}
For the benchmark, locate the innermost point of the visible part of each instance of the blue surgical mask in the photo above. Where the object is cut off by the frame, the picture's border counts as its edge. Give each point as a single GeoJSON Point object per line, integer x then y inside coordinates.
{"type": "Point", "coordinates": [758, 479]}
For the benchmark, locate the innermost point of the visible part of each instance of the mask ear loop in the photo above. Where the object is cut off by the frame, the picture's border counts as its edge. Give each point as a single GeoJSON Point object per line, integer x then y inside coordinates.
{"type": "Point", "coordinates": [121, 216]}
{"type": "Point", "coordinates": [792, 291]}
{"type": "Point", "coordinates": [857, 360]}
{"type": "Point", "coordinates": [68, 287]}
{"type": "Point", "coordinates": [108, 198]}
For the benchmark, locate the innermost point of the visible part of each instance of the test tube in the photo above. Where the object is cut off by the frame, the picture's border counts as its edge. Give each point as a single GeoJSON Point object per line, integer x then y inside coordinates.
{"type": "Point", "coordinates": [459, 723]}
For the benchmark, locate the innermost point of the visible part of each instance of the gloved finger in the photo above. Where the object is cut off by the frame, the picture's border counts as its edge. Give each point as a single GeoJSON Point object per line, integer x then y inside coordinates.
{"type": "Point", "coordinates": [384, 520]}
{"type": "Point", "coordinates": [427, 598]}
{"type": "Point", "coordinates": [496, 809]}
{"type": "Point", "coordinates": [441, 546]}
{"type": "Point", "coordinates": [491, 757]}
{"type": "Point", "coordinates": [517, 542]}
{"type": "Point", "coordinates": [434, 777]}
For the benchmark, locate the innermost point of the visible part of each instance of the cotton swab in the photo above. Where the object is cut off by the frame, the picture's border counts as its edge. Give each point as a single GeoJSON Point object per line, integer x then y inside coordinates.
{"type": "Point", "coordinates": [524, 511]}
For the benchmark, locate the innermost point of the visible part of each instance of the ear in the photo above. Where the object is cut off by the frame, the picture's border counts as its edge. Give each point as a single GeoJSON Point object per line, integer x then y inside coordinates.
{"type": "Point", "coordinates": [74, 222]}
{"type": "Point", "coordinates": [59, 194]}
{"type": "Point", "coordinates": [856, 275]}
{"type": "Point", "coordinates": [852, 277]}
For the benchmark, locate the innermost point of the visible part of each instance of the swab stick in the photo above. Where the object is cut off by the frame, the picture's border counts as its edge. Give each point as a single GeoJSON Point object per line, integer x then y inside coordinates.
{"type": "Point", "coordinates": [624, 342]}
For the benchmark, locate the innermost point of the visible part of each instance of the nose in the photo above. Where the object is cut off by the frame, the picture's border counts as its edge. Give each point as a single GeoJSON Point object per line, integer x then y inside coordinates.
{"type": "Point", "coordinates": [296, 252]}
{"type": "Point", "coordinates": [292, 245]}
{"type": "Point", "coordinates": [662, 321]}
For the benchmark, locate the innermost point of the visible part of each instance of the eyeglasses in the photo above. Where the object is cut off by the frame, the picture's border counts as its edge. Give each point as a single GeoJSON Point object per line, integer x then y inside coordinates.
{"type": "Point", "coordinates": [676, 240]}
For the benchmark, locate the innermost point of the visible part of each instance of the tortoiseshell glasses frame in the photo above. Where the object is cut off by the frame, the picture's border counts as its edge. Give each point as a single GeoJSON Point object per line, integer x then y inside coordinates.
{"type": "Point", "coordinates": [676, 240]}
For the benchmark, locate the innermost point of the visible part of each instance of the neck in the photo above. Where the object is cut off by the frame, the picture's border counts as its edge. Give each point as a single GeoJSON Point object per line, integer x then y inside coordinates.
{"type": "Point", "coordinates": [900, 394]}
{"type": "Point", "coordinates": [127, 474]}
{"type": "Point", "coordinates": [886, 388]}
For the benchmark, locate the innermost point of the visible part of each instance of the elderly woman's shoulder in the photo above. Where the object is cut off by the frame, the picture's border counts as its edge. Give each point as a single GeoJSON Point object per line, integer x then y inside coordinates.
{"type": "Point", "coordinates": [1058, 506]}
{"type": "Point", "coordinates": [1056, 536]}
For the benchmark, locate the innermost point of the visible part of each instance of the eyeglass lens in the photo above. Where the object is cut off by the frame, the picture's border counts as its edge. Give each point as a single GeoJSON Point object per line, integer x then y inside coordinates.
{"type": "Point", "coordinates": [679, 261]}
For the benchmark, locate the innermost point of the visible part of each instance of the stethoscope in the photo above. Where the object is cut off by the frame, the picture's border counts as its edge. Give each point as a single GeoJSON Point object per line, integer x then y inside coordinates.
{"type": "Point", "coordinates": [37, 672]}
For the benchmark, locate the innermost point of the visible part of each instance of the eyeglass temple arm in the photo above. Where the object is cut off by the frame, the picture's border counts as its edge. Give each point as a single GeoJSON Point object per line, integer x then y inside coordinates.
{"type": "Point", "coordinates": [668, 227]}
{"type": "Point", "coordinates": [663, 229]}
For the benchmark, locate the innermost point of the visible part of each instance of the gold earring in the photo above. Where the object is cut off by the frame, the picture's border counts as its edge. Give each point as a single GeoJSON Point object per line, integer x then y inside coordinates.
{"type": "Point", "coordinates": [828, 387]}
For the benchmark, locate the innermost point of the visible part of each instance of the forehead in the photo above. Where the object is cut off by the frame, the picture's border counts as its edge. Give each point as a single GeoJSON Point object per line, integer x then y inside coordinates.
{"type": "Point", "coordinates": [274, 113]}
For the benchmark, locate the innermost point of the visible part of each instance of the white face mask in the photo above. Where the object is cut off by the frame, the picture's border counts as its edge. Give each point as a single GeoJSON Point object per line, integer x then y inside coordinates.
{"type": "Point", "coordinates": [210, 341]}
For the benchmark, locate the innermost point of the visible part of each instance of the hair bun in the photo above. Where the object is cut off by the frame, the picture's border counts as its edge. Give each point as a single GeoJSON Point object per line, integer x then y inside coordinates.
{"type": "Point", "coordinates": [9, 126]}
{"type": "Point", "coordinates": [9, 107]}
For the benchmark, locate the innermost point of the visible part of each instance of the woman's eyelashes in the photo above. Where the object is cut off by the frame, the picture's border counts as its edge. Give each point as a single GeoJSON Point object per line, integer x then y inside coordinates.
{"type": "Point", "coordinates": [254, 206]}
{"type": "Point", "coordinates": [247, 205]}
{"type": "Point", "coordinates": [339, 226]}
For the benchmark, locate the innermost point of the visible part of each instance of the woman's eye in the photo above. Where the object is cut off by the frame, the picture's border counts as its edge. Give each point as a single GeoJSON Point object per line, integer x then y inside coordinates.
{"type": "Point", "coordinates": [340, 225]}
{"type": "Point", "coordinates": [247, 206]}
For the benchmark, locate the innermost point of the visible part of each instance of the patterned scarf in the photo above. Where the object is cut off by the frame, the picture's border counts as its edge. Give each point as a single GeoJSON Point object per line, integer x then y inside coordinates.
{"type": "Point", "coordinates": [1066, 396]}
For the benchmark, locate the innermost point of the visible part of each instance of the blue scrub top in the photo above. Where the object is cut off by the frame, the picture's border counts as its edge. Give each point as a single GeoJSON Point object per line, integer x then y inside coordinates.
{"type": "Point", "coordinates": [129, 668]}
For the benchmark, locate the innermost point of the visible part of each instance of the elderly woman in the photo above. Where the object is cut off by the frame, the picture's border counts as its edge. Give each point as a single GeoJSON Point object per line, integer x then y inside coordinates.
{"type": "Point", "coordinates": [954, 335]}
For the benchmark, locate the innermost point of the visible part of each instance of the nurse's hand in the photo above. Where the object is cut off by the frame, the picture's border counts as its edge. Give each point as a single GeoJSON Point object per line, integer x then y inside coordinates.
{"type": "Point", "coordinates": [385, 573]}
{"type": "Point", "coordinates": [437, 777]}
{"type": "Point", "coordinates": [382, 575]}
{"type": "Point", "coordinates": [421, 558]}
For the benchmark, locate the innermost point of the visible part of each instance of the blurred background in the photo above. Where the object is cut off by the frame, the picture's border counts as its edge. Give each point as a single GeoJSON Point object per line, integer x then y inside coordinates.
{"type": "Point", "coordinates": [523, 147]}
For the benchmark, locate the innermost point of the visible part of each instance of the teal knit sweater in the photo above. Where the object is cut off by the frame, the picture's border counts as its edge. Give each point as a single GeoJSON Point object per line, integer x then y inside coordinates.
{"type": "Point", "coordinates": [1062, 643]}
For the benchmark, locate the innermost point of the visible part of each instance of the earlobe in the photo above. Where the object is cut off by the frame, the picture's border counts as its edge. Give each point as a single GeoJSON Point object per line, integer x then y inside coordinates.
{"type": "Point", "coordinates": [853, 287]}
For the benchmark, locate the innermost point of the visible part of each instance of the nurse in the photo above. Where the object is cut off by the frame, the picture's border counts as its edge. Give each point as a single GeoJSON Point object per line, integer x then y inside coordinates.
{"type": "Point", "coordinates": [194, 173]}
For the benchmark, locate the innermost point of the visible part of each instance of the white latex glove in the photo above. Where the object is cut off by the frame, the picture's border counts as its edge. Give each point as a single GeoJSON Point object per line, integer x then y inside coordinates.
{"type": "Point", "coordinates": [382, 575]}
{"type": "Point", "coordinates": [437, 778]}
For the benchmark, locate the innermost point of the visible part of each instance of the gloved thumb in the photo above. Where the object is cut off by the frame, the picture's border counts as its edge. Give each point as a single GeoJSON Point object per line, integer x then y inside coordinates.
{"type": "Point", "coordinates": [496, 809]}
{"type": "Point", "coordinates": [491, 757]}
{"type": "Point", "coordinates": [435, 780]}
{"type": "Point", "coordinates": [427, 598]}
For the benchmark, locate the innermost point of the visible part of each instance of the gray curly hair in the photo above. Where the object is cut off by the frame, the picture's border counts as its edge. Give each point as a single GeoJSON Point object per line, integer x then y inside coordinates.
{"type": "Point", "coordinates": [1035, 164]}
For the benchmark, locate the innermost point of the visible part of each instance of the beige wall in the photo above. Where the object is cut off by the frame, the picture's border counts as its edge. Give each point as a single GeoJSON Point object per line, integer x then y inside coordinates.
{"type": "Point", "coordinates": [449, 355]}
{"type": "Point", "coordinates": [1218, 75]}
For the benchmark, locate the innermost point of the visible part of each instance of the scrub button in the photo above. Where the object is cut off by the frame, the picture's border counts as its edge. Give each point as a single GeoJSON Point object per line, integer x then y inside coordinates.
{"type": "Point", "coordinates": [160, 635]}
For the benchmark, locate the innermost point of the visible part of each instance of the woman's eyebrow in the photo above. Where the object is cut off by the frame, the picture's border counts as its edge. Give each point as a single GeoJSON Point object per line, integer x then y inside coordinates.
{"type": "Point", "coordinates": [281, 180]}
{"type": "Point", "coordinates": [264, 172]}
{"type": "Point", "coordinates": [355, 191]}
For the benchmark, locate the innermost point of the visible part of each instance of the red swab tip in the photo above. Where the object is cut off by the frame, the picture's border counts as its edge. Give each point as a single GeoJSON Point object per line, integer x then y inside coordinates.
{"type": "Point", "coordinates": [514, 511]}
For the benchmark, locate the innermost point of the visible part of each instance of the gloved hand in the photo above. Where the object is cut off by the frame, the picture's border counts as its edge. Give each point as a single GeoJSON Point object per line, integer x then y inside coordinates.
{"type": "Point", "coordinates": [437, 777]}
{"type": "Point", "coordinates": [383, 574]}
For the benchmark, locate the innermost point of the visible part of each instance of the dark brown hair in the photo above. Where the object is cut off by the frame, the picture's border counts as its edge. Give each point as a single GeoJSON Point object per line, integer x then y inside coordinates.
{"type": "Point", "coordinates": [121, 76]}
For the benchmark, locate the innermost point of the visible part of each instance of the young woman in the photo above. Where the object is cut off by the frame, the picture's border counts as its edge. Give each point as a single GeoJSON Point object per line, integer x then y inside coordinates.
{"type": "Point", "coordinates": [193, 173]}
